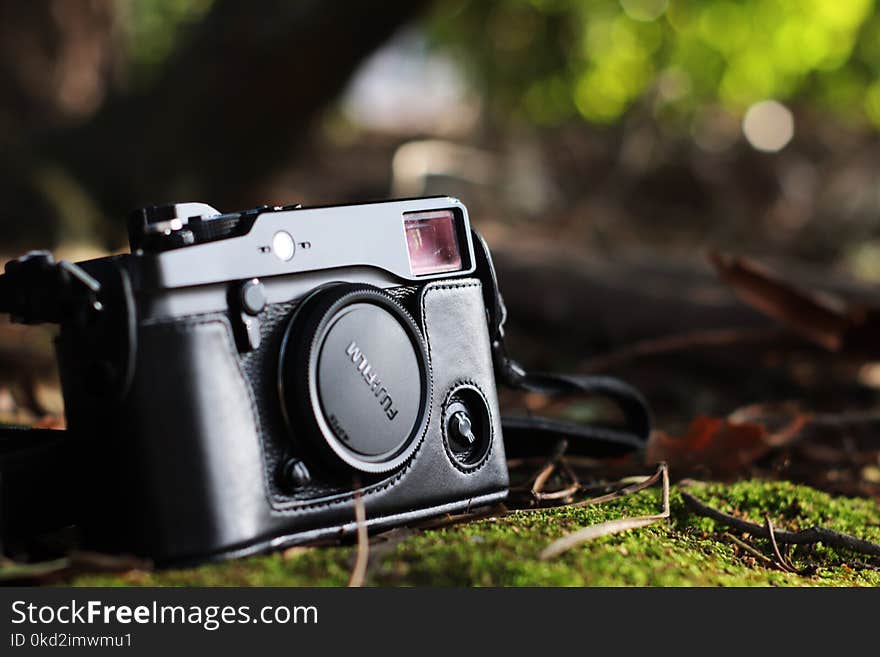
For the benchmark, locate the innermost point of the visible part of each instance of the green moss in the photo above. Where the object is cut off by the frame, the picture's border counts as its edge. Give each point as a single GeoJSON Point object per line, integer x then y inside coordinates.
{"type": "Point", "coordinates": [686, 551]}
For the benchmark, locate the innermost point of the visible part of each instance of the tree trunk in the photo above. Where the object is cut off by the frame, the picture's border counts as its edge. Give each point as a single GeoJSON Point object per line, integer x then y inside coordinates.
{"type": "Point", "coordinates": [233, 105]}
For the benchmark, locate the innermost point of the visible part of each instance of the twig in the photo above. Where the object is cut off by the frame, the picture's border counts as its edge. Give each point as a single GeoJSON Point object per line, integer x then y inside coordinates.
{"type": "Point", "coordinates": [541, 479]}
{"type": "Point", "coordinates": [363, 543]}
{"type": "Point", "coordinates": [549, 466]}
{"type": "Point", "coordinates": [690, 481]}
{"type": "Point", "coordinates": [118, 563]}
{"type": "Point", "coordinates": [592, 532]}
{"type": "Point", "coordinates": [829, 537]}
{"type": "Point", "coordinates": [796, 420]}
{"type": "Point", "coordinates": [610, 527]}
{"type": "Point", "coordinates": [562, 493]}
{"type": "Point", "coordinates": [780, 560]}
{"type": "Point", "coordinates": [646, 482]}
{"type": "Point", "coordinates": [748, 548]}
{"type": "Point", "coordinates": [11, 571]}
{"type": "Point", "coordinates": [641, 484]}
{"type": "Point", "coordinates": [783, 555]}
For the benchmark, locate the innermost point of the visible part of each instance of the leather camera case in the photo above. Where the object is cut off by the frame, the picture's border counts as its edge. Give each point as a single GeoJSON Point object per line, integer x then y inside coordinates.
{"type": "Point", "coordinates": [181, 460]}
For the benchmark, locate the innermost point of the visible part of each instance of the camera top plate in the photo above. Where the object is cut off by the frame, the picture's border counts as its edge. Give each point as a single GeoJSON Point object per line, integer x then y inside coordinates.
{"type": "Point", "coordinates": [297, 240]}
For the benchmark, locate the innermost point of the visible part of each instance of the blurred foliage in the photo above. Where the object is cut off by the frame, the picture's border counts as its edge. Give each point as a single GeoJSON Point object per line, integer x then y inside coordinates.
{"type": "Point", "coordinates": [549, 60]}
{"type": "Point", "coordinates": [150, 32]}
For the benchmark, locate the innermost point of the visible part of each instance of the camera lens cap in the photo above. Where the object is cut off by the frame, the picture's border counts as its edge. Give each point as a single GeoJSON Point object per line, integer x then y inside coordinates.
{"type": "Point", "coordinates": [353, 375]}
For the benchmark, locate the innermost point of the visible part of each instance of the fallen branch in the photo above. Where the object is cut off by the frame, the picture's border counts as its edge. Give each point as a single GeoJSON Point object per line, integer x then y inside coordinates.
{"type": "Point", "coordinates": [823, 535]}
{"type": "Point", "coordinates": [612, 526]}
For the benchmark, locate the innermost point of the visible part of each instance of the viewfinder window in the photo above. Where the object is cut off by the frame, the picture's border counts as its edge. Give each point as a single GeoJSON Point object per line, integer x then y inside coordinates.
{"type": "Point", "coordinates": [432, 241]}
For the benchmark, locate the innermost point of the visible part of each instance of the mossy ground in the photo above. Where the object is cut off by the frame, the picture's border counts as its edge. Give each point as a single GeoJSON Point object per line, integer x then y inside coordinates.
{"type": "Point", "coordinates": [686, 551]}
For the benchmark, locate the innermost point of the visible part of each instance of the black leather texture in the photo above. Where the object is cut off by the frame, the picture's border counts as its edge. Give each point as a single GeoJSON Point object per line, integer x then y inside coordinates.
{"type": "Point", "coordinates": [184, 467]}
{"type": "Point", "coordinates": [34, 465]}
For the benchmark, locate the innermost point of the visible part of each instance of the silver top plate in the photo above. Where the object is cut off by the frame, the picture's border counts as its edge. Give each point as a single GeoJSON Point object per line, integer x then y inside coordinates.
{"type": "Point", "coordinates": [321, 238]}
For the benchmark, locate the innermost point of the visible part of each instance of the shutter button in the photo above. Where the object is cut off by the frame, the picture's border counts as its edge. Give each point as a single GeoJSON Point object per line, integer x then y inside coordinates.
{"type": "Point", "coordinates": [253, 297]}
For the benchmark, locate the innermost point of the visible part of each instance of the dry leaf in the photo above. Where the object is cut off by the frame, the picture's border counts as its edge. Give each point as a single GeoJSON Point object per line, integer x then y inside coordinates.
{"type": "Point", "coordinates": [721, 445]}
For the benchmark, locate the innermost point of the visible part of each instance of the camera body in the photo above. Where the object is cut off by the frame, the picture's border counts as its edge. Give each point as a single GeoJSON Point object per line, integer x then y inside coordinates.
{"type": "Point", "coordinates": [239, 380]}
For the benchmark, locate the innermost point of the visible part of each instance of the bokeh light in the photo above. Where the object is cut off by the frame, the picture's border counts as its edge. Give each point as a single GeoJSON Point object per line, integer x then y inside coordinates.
{"type": "Point", "coordinates": [644, 10]}
{"type": "Point", "coordinates": [768, 126]}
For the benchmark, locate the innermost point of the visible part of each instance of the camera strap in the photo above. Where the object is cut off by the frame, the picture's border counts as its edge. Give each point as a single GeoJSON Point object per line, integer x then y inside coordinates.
{"type": "Point", "coordinates": [36, 288]}
{"type": "Point", "coordinates": [530, 434]}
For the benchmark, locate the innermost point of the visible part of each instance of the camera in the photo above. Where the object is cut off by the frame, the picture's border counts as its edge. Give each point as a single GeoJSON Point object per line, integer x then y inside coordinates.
{"type": "Point", "coordinates": [240, 381]}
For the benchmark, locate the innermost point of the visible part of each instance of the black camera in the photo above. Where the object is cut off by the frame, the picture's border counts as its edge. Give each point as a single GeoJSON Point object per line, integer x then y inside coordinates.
{"type": "Point", "coordinates": [234, 383]}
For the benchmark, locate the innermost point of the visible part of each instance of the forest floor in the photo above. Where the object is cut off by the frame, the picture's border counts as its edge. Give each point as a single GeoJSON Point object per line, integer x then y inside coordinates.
{"type": "Point", "coordinates": [504, 550]}
{"type": "Point", "coordinates": [780, 425]}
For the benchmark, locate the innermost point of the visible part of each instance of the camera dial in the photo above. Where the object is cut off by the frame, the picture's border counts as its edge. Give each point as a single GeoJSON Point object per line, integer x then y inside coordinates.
{"type": "Point", "coordinates": [467, 427]}
{"type": "Point", "coordinates": [354, 378]}
{"type": "Point", "coordinates": [168, 226]}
